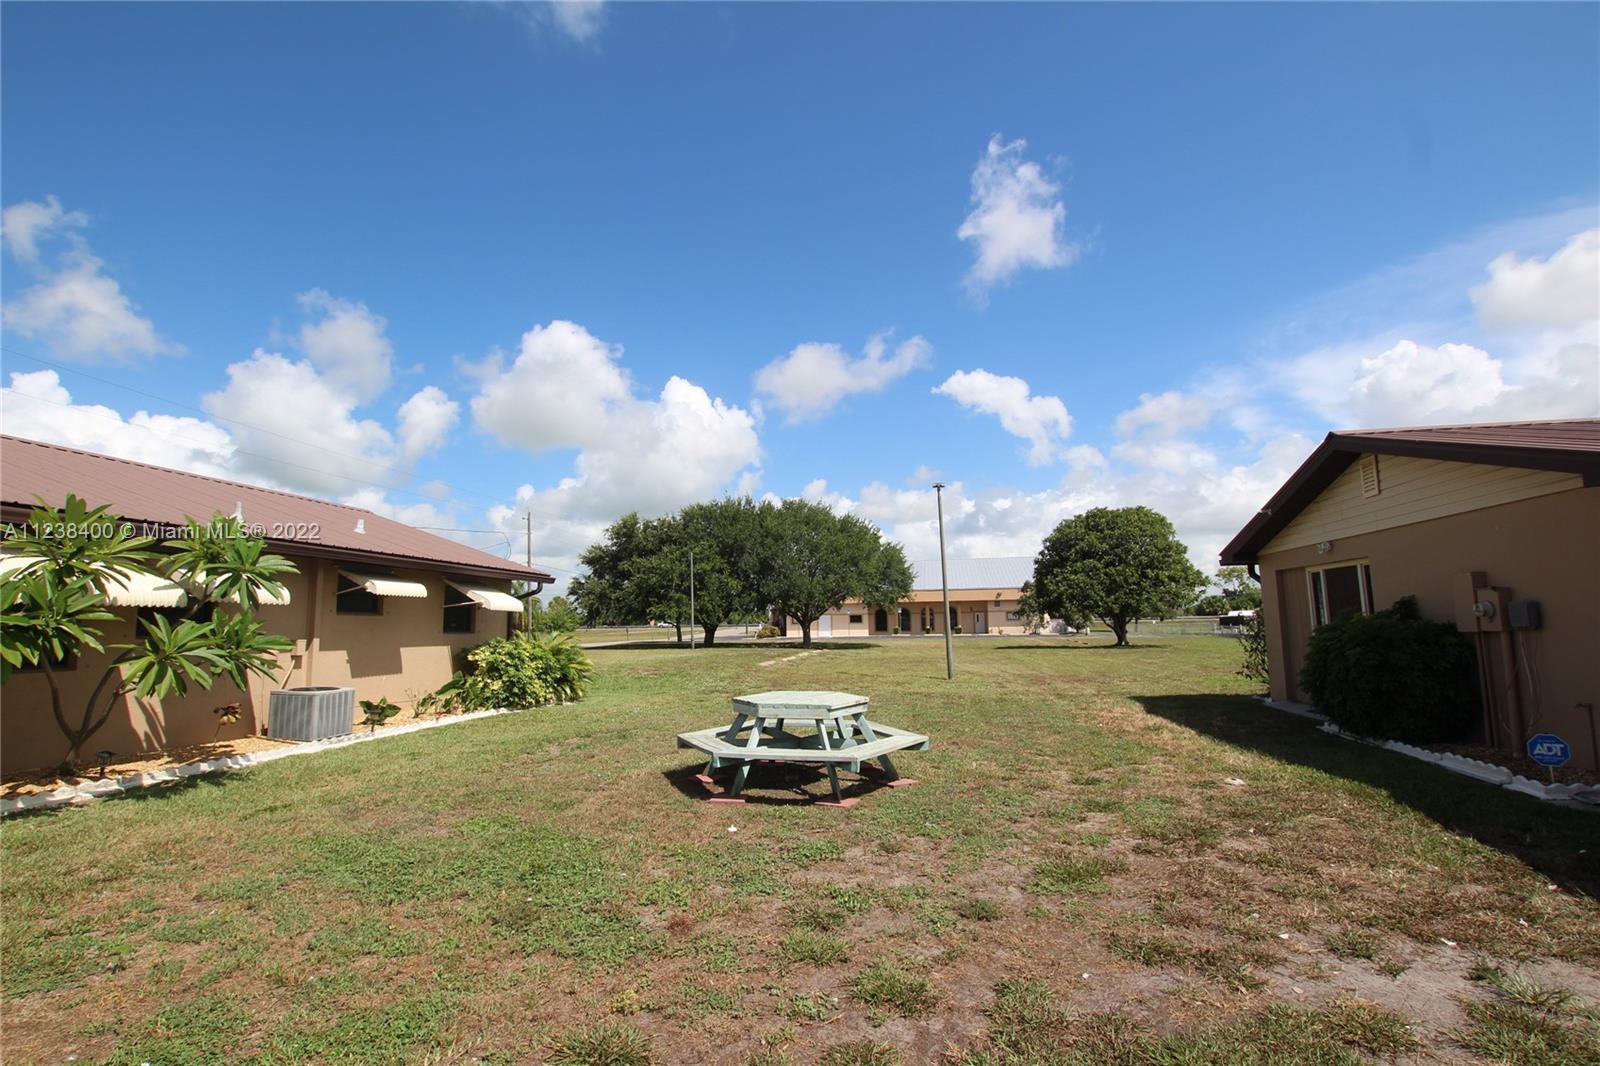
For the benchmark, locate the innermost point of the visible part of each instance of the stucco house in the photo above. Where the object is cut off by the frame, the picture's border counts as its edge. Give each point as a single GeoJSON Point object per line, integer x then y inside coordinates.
{"type": "Point", "coordinates": [983, 599]}
{"type": "Point", "coordinates": [376, 604]}
{"type": "Point", "coordinates": [1494, 527]}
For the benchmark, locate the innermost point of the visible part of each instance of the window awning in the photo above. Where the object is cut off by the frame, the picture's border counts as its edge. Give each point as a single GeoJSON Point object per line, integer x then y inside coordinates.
{"type": "Point", "coordinates": [133, 589]}
{"type": "Point", "coordinates": [489, 599]}
{"type": "Point", "coordinates": [382, 585]}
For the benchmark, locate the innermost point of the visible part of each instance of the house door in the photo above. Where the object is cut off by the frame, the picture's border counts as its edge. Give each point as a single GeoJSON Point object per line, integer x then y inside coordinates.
{"type": "Point", "coordinates": [880, 621]}
{"type": "Point", "coordinates": [825, 626]}
{"type": "Point", "coordinates": [980, 622]}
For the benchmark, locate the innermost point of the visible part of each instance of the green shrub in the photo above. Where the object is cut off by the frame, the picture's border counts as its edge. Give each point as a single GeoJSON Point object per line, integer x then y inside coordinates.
{"type": "Point", "coordinates": [1393, 675]}
{"type": "Point", "coordinates": [526, 671]}
{"type": "Point", "coordinates": [766, 632]}
{"type": "Point", "coordinates": [1253, 642]}
{"type": "Point", "coordinates": [378, 712]}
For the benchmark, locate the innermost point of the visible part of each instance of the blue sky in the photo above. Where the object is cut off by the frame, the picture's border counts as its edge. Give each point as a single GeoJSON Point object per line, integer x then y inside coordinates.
{"type": "Point", "coordinates": [456, 262]}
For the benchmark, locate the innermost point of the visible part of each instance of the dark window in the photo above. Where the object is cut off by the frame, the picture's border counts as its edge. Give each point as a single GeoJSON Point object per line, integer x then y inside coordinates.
{"type": "Point", "coordinates": [855, 619]}
{"type": "Point", "coordinates": [460, 617]}
{"type": "Point", "coordinates": [353, 599]}
{"type": "Point", "coordinates": [1340, 590]}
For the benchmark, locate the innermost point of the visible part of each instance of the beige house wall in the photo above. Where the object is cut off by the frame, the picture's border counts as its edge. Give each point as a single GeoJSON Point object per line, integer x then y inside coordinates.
{"type": "Point", "coordinates": [1545, 547]}
{"type": "Point", "coordinates": [399, 654]}
{"type": "Point", "coordinates": [1410, 491]}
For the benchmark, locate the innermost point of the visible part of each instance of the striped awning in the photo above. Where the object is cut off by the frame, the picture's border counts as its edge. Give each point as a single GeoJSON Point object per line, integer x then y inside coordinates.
{"type": "Point", "coordinates": [133, 589]}
{"type": "Point", "coordinates": [383, 585]}
{"type": "Point", "coordinates": [489, 599]}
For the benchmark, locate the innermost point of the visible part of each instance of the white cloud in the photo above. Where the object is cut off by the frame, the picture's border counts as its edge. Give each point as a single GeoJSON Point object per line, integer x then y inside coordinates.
{"type": "Point", "coordinates": [1017, 218]}
{"type": "Point", "coordinates": [296, 428]}
{"type": "Point", "coordinates": [1165, 414]}
{"type": "Point", "coordinates": [24, 225]}
{"type": "Point", "coordinates": [561, 391]}
{"type": "Point", "coordinates": [37, 406]}
{"type": "Point", "coordinates": [651, 455]}
{"type": "Point", "coordinates": [1562, 290]}
{"type": "Point", "coordinates": [809, 381]}
{"type": "Point", "coordinates": [347, 343]}
{"type": "Point", "coordinates": [579, 19]}
{"type": "Point", "coordinates": [74, 308]}
{"type": "Point", "coordinates": [1410, 383]}
{"type": "Point", "coordinates": [1042, 421]}
{"type": "Point", "coordinates": [425, 420]}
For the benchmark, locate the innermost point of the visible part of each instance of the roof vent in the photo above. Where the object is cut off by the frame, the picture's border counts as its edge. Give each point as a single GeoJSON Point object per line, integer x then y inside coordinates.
{"type": "Point", "coordinates": [361, 525]}
{"type": "Point", "coordinates": [1369, 475]}
{"type": "Point", "coordinates": [238, 510]}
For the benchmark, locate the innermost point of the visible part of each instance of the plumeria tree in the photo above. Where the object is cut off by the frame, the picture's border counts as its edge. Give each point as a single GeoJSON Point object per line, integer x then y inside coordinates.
{"type": "Point", "coordinates": [54, 600]}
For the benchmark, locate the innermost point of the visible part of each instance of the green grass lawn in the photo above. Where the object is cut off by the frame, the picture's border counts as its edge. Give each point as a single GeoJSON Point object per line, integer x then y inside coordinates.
{"type": "Point", "coordinates": [1113, 855]}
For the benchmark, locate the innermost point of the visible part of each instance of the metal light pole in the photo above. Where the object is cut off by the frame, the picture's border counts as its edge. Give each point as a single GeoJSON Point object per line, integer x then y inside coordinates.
{"type": "Point", "coordinates": [691, 601]}
{"type": "Point", "coordinates": [944, 583]}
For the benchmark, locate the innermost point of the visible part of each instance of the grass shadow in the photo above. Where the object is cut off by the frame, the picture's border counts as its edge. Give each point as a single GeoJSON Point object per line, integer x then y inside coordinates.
{"type": "Point", "coordinates": [800, 784]}
{"type": "Point", "coordinates": [1547, 837]}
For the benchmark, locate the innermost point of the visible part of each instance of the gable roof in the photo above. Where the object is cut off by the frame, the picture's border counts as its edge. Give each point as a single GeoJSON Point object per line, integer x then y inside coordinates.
{"type": "Point", "coordinates": [1001, 572]}
{"type": "Point", "coordinates": [156, 495]}
{"type": "Point", "coordinates": [1569, 446]}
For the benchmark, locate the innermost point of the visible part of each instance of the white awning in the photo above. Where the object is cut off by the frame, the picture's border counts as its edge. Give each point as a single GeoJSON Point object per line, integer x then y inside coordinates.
{"type": "Point", "coordinates": [134, 589]}
{"type": "Point", "coordinates": [490, 599]}
{"type": "Point", "coordinates": [380, 585]}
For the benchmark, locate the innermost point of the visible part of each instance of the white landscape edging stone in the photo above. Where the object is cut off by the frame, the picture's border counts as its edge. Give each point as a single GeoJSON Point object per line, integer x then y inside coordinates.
{"type": "Point", "coordinates": [1487, 772]}
{"type": "Point", "coordinates": [90, 791]}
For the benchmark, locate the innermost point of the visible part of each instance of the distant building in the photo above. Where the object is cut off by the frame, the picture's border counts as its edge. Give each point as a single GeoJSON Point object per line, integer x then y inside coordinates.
{"type": "Point", "coordinates": [983, 599]}
{"type": "Point", "coordinates": [1495, 528]}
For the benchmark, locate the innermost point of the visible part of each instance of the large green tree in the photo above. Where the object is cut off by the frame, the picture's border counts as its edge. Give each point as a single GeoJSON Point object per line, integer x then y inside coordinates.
{"type": "Point", "coordinates": [815, 559]}
{"type": "Point", "coordinates": [53, 604]}
{"type": "Point", "coordinates": [602, 593]}
{"type": "Point", "coordinates": [1115, 564]}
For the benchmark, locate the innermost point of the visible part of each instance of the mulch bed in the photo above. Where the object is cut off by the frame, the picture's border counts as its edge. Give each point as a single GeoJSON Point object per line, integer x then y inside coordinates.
{"type": "Point", "coordinates": [1521, 764]}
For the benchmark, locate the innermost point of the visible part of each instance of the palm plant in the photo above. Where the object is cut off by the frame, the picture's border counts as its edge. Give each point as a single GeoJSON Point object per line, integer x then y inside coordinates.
{"type": "Point", "coordinates": [53, 601]}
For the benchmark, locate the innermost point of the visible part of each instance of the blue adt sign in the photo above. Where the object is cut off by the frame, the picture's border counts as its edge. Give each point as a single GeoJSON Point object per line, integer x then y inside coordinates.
{"type": "Point", "coordinates": [1547, 749]}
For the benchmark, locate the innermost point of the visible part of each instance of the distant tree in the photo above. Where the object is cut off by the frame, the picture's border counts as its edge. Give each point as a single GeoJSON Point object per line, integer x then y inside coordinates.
{"type": "Point", "coordinates": [1115, 564]}
{"type": "Point", "coordinates": [52, 608]}
{"type": "Point", "coordinates": [725, 537]}
{"type": "Point", "coordinates": [813, 560]}
{"type": "Point", "coordinates": [657, 576]}
{"type": "Point", "coordinates": [1239, 591]}
{"type": "Point", "coordinates": [533, 614]}
{"type": "Point", "coordinates": [560, 616]}
{"type": "Point", "coordinates": [602, 593]}
{"type": "Point", "coordinates": [1209, 604]}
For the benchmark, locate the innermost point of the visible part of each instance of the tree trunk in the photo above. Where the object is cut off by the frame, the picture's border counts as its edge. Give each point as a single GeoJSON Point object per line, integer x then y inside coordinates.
{"type": "Point", "coordinates": [1119, 626]}
{"type": "Point", "coordinates": [679, 627]}
{"type": "Point", "coordinates": [710, 631]}
{"type": "Point", "coordinates": [805, 631]}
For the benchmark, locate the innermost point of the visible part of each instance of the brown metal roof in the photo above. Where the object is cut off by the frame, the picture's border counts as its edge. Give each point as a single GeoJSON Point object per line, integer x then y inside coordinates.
{"type": "Point", "coordinates": [1568, 445]}
{"type": "Point", "coordinates": [153, 494]}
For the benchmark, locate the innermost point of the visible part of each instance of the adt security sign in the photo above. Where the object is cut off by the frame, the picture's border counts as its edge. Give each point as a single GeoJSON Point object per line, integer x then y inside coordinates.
{"type": "Point", "coordinates": [1547, 749]}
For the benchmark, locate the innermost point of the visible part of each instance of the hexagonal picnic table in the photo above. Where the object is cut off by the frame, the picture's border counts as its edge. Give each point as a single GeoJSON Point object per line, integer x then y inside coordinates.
{"type": "Point", "coordinates": [841, 736]}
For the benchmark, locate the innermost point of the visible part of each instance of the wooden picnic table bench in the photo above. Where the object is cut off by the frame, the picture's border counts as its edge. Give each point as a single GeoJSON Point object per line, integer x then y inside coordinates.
{"type": "Point", "coordinates": [841, 735]}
